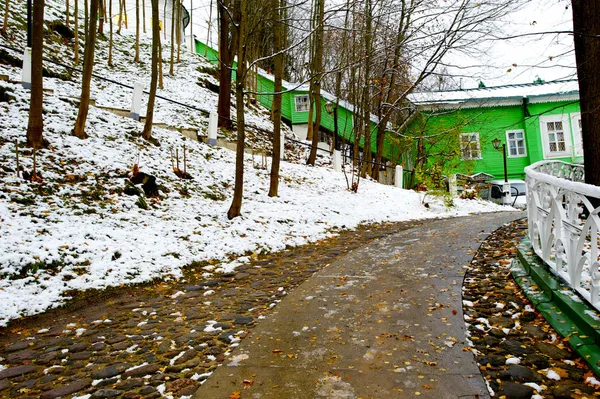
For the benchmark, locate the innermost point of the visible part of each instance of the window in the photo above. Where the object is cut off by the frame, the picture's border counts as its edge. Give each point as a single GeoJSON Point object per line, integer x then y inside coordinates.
{"type": "Point", "coordinates": [516, 143]}
{"type": "Point", "coordinates": [302, 104]}
{"type": "Point", "coordinates": [469, 146]}
{"type": "Point", "coordinates": [556, 136]}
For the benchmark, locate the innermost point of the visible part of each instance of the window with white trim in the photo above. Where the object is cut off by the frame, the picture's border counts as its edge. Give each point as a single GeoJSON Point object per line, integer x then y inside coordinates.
{"type": "Point", "coordinates": [556, 136]}
{"type": "Point", "coordinates": [302, 103]}
{"type": "Point", "coordinates": [469, 146]}
{"type": "Point", "coordinates": [516, 143]}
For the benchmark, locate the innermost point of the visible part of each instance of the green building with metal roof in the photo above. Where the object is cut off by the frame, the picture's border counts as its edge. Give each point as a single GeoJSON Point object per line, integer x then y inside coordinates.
{"type": "Point", "coordinates": [537, 121]}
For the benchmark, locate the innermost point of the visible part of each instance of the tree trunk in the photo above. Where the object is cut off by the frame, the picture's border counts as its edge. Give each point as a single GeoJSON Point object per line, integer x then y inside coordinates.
{"type": "Point", "coordinates": [144, 15]}
{"type": "Point", "coordinates": [136, 58]}
{"type": "Point", "coordinates": [226, 55]}
{"type": "Point", "coordinates": [110, 35]}
{"type": "Point", "coordinates": [5, 23]}
{"type": "Point", "coordinates": [587, 48]}
{"type": "Point", "coordinates": [278, 43]}
{"type": "Point", "coordinates": [68, 17]}
{"type": "Point", "coordinates": [76, 31]}
{"type": "Point", "coordinates": [88, 65]}
{"type": "Point", "coordinates": [147, 132]}
{"type": "Point", "coordinates": [120, 21]}
{"type": "Point", "coordinates": [160, 66]}
{"type": "Point", "coordinates": [86, 14]}
{"type": "Point", "coordinates": [101, 13]}
{"type": "Point", "coordinates": [35, 126]}
{"type": "Point", "coordinates": [171, 71]}
{"type": "Point", "coordinates": [236, 204]}
{"type": "Point", "coordinates": [178, 33]}
{"type": "Point", "coordinates": [317, 77]}
{"type": "Point", "coordinates": [367, 148]}
{"type": "Point", "coordinates": [125, 14]}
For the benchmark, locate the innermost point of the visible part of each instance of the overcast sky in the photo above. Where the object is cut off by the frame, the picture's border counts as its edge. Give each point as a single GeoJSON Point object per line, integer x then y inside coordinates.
{"type": "Point", "coordinates": [549, 56]}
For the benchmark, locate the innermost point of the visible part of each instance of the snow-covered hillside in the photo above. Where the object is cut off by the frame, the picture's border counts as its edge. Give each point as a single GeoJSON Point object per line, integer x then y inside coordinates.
{"type": "Point", "coordinates": [77, 229]}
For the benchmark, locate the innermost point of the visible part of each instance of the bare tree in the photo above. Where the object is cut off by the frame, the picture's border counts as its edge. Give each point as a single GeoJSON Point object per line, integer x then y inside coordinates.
{"type": "Point", "coordinates": [110, 36]}
{"type": "Point", "coordinates": [587, 50]}
{"type": "Point", "coordinates": [240, 14]}
{"type": "Point", "coordinates": [144, 15]}
{"type": "Point", "coordinates": [227, 49]}
{"type": "Point", "coordinates": [101, 13]}
{"type": "Point", "coordinates": [76, 31]}
{"type": "Point", "coordinates": [5, 23]}
{"type": "Point", "coordinates": [88, 66]}
{"type": "Point", "coordinates": [278, 7]}
{"type": "Point", "coordinates": [86, 12]}
{"type": "Point", "coordinates": [171, 70]}
{"type": "Point", "coordinates": [178, 34]}
{"type": "Point", "coordinates": [67, 12]}
{"type": "Point", "coordinates": [147, 132]}
{"type": "Point", "coordinates": [136, 58]}
{"type": "Point", "coordinates": [317, 75]}
{"type": "Point", "coordinates": [120, 21]}
{"type": "Point", "coordinates": [35, 126]}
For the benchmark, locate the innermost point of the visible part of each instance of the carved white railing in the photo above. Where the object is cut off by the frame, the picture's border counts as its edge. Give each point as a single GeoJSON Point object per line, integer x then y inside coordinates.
{"type": "Point", "coordinates": [563, 224]}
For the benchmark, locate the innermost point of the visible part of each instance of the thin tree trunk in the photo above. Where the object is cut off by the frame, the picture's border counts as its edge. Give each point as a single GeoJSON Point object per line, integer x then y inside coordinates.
{"type": "Point", "coordinates": [171, 71]}
{"type": "Point", "coordinates": [120, 21]}
{"type": "Point", "coordinates": [110, 36]}
{"type": "Point", "coordinates": [226, 55]}
{"type": "Point", "coordinates": [208, 30]}
{"type": "Point", "coordinates": [35, 126]}
{"type": "Point", "coordinates": [125, 14]}
{"type": "Point", "coordinates": [160, 65]}
{"type": "Point", "coordinates": [316, 83]}
{"type": "Point", "coordinates": [147, 132]}
{"type": "Point", "coordinates": [178, 34]}
{"type": "Point", "coordinates": [165, 20]}
{"type": "Point", "coordinates": [367, 147]}
{"type": "Point", "coordinates": [278, 43]}
{"type": "Point", "coordinates": [236, 204]}
{"type": "Point", "coordinates": [68, 17]}
{"type": "Point", "coordinates": [86, 14]}
{"type": "Point", "coordinates": [88, 65]}
{"type": "Point", "coordinates": [5, 23]}
{"type": "Point", "coordinates": [76, 31]}
{"type": "Point", "coordinates": [144, 15]}
{"type": "Point", "coordinates": [101, 13]}
{"type": "Point", "coordinates": [137, 31]}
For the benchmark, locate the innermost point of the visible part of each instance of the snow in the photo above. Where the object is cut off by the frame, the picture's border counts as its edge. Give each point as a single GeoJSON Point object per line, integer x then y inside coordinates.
{"type": "Point", "coordinates": [77, 231]}
{"type": "Point", "coordinates": [552, 375]}
{"type": "Point", "coordinates": [515, 91]}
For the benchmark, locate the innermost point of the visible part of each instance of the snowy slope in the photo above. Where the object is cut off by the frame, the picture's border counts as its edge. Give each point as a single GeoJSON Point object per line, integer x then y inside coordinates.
{"type": "Point", "coordinates": [77, 229]}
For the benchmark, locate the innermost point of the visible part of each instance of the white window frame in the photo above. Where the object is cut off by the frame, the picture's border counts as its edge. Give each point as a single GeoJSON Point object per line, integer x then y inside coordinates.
{"type": "Point", "coordinates": [303, 104]}
{"type": "Point", "coordinates": [577, 135]}
{"type": "Point", "coordinates": [508, 140]}
{"type": "Point", "coordinates": [476, 135]}
{"type": "Point", "coordinates": [566, 132]}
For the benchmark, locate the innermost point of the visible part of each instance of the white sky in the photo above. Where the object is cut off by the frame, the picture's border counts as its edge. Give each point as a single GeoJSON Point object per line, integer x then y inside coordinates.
{"type": "Point", "coordinates": [549, 56]}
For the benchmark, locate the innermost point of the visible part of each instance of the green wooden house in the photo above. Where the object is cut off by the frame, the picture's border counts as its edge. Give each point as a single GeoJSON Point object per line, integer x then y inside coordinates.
{"type": "Point", "coordinates": [535, 121]}
{"type": "Point", "coordinates": [295, 108]}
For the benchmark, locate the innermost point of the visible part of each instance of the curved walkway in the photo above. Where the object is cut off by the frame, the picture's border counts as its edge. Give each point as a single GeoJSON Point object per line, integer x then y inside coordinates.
{"type": "Point", "coordinates": [374, 312]}
{"type": "Point", "coordinates": [382, 321]}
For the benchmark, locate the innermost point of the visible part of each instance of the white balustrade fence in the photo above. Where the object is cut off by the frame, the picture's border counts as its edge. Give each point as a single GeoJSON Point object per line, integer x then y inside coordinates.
{"type": "Point", "coordinates": [563, 224]}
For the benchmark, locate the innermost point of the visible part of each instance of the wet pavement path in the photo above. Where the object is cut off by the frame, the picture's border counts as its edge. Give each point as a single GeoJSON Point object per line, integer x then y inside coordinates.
{"type": "Point", "coordinates": [161, 339]}
{"type": "Point", "coordinates": [383, 321]}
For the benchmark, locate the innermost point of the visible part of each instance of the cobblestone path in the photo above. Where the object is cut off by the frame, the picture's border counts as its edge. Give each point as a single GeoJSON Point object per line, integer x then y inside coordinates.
{"type": "Point", "coordinates": [159, 339]}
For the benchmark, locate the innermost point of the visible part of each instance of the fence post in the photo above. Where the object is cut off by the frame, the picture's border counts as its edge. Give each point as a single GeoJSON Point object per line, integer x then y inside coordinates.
{"type": "Point", "coordinates": [337, 160]}
{"type": "Point", "coordinates": [26, 71]}
{"type": "Point", "coordinates": [452, 186]}
{"type": "Point", "coordinates": [213, 120]}
{"type": "Point", "coordinates": [282, 146]}
{"type": "Point", "coordinates": [399, 176]}
{"type": "Point", "coordinates": [136, 102]}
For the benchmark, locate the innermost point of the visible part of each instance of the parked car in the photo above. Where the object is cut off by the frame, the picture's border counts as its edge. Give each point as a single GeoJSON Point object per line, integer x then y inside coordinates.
{"type": "Point", "coordinates": [518, 192]}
